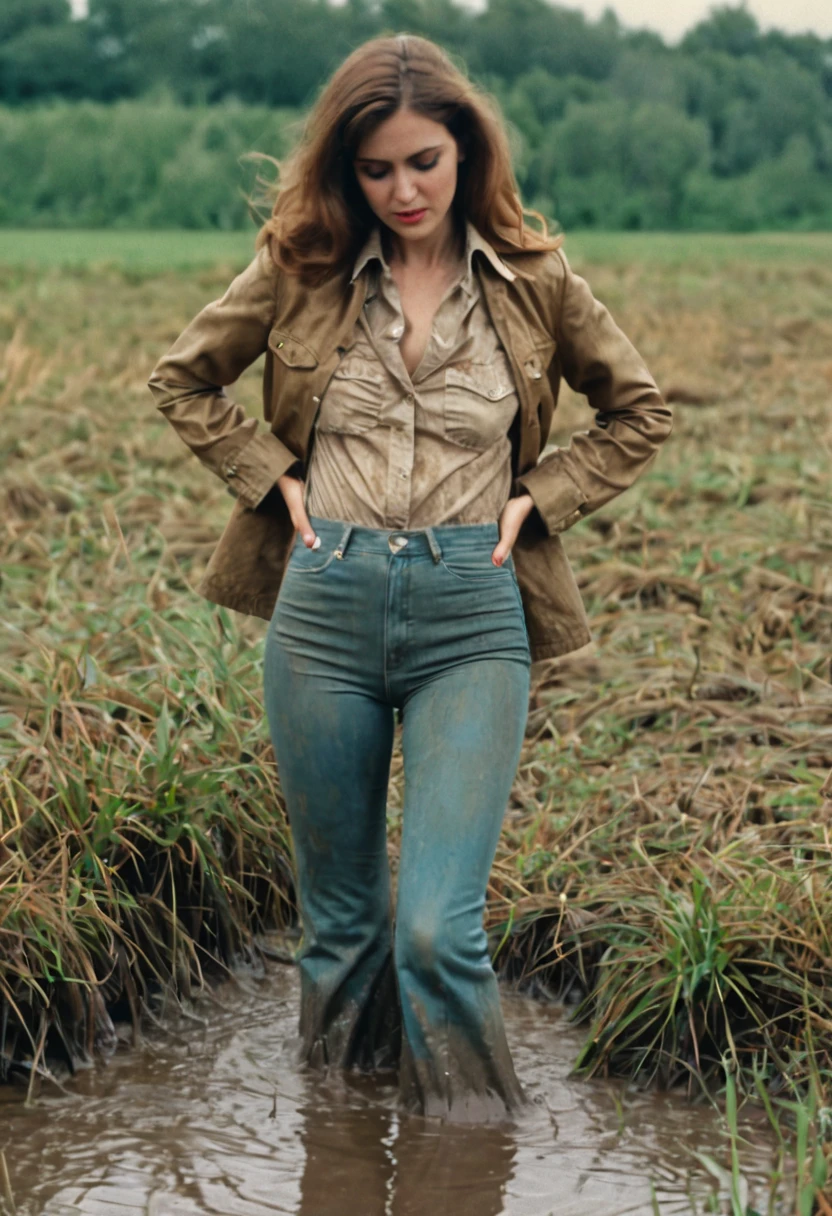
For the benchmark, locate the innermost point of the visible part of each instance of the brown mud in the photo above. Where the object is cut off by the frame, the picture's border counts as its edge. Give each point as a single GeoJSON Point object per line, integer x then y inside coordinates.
{"type": "Point", "coordinates": [214, 1117]}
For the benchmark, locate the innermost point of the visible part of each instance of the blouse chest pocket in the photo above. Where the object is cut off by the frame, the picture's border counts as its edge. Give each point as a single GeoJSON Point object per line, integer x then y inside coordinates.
{"type": "Point", "coordinates": [480, 402]}
{"type": "Point", "coordinates": [352, 402]}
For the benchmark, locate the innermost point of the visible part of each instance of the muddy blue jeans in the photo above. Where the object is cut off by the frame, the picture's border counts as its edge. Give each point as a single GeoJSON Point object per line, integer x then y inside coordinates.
{"type": "Point", "coordinates": [423, 622]}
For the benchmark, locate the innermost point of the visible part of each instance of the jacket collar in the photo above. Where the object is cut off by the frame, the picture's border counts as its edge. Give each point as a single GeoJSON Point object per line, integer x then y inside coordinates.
{"type": "Point", "coordinates": [474, 242]}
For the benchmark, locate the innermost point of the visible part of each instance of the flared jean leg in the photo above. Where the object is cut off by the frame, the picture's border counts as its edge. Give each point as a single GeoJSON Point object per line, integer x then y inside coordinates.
{"type": "Point", "coordinates": [333, 747]}
{"type": "Point", "coordinates": [463, 732]}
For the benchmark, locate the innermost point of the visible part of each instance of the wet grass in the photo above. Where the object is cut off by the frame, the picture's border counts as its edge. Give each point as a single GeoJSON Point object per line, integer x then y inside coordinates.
{"type": "Point", "coordinates": [665, 864]}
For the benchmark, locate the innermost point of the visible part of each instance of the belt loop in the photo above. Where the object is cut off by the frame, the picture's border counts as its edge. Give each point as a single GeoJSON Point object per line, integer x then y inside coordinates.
{"type": "Point", "coordinates": [435, 551]}
{"type": "Point", "coordinates": [344, 541]}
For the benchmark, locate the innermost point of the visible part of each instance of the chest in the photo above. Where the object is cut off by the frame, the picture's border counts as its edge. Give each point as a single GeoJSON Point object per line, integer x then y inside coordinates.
{"type": "Point", "coordinates": [420, 297]}
{"type": "Point", "coordinates": [316, 334]}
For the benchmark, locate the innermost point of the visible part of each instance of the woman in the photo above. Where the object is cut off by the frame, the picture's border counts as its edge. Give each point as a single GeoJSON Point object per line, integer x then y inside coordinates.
{"type": "Point", "coordinates": [415, 331]}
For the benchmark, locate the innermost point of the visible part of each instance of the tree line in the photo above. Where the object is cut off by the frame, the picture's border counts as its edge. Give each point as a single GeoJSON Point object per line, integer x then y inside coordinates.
{"type": "Point", "coordinates": [612, 128]}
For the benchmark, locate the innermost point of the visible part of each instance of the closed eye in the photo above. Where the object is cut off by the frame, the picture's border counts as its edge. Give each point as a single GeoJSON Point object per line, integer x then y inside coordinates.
{"type": "Point", "coordinates": [376, 175]}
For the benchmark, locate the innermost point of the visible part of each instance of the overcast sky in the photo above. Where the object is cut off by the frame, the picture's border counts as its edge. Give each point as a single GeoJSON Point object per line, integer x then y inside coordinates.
{"type": "Point", "coordinates": [672, 17]}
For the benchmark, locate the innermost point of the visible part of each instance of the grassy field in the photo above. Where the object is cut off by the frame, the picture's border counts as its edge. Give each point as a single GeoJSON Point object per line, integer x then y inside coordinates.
{"type": "Point", "coordinates": [665, 863]}
{"type": "Point", "coordinates": [131, 251]}
{"type": "Point", "coordinates": [158, 251]}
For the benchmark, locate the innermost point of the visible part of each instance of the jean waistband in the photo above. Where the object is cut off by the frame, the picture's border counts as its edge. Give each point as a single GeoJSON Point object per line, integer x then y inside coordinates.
{"type": "Point", "coordinates": [446, 539]}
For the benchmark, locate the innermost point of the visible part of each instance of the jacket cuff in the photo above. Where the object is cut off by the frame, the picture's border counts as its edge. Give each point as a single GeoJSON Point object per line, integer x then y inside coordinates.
{"type": "Point", "coordinates": [253, 470]}
{"type": "Point", "coordinates": [559, 500]}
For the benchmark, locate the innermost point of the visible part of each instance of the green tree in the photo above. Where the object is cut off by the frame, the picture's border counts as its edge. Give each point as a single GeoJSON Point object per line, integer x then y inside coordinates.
{"type": "Point", "coordinates": [513, 36]}
{"type": "Point", "coordinates": [732, 30]}
{"type": "Point", "coordinates": [17, 16]}
{"type": "Point", "coordinates": [662, 146]}
{"type": "Point", "coordinates": [45, 61]}
{"type": "Point", "coordinates": [793, 192]}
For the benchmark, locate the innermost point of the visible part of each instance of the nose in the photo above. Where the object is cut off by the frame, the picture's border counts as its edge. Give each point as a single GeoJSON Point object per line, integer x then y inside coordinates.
{"type": "Point", "coordinates": [404, 187]}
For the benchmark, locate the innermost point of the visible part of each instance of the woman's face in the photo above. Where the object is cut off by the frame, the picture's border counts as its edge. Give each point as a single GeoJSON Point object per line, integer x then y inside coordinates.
{"type": "Point", "coordinates": [407, 170]}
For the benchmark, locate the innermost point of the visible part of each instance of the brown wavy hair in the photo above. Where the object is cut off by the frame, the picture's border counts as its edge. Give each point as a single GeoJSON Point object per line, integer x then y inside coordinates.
{"type": "Point", "coordinates": [320, 218]}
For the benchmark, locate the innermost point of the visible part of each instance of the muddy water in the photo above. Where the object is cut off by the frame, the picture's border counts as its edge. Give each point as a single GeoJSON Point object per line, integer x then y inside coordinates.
{"type": "Point", "coordinates": [216, 1118]}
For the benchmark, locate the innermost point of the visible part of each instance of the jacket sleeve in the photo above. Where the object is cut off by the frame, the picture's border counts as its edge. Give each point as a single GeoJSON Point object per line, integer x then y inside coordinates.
{"type": "Point", "coordinates": [189, 382]}
{"type": "Point", "coordinates": [632, 419]}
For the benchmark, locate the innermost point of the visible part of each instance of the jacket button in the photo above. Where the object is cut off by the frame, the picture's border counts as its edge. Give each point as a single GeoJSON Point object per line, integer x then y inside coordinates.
{"type": "Point", "coordinates": [317, 400]}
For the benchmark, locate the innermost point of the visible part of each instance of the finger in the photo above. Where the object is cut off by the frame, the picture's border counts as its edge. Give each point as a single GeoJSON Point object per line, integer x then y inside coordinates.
{"type": "Point", "coordinates": [502, 549]}
{"type": "Point", "coordinates": [307, 532]}
{"type": "Point", "coordinates": [509, 527]}
{"type": "Point", "coordinates": [292, 490]}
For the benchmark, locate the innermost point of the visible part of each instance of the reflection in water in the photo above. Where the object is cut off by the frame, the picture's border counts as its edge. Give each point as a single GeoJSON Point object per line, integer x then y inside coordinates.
{"type": "Point", "coordinates": [218, 1121]}
{"type": "Point", "coordinates": [401, 1166]}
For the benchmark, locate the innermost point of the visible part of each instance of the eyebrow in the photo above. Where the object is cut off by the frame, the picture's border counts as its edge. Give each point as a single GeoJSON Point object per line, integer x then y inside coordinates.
{"type": "Point", "coordinates": [376, 160]}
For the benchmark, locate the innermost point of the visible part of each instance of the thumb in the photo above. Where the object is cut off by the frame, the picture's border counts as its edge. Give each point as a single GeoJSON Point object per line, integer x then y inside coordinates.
{"type": "Point", "coordinates": [307, 532]}
{"type": "Point", "coordinates": [503, 547]}
{"type": "Point", "coordinates": [509, 525]}
{"type": "Point", "coordinates": [501, 552]}
{"type": "Point", "coordinates": [292, 490]}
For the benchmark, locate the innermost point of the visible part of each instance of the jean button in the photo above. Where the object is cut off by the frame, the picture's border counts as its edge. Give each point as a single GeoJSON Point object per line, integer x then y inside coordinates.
{"type": "Point", "coordinates": [396, 543]}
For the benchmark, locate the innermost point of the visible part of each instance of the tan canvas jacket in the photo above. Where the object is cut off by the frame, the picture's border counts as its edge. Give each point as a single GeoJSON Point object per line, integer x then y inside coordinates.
{"type": "Point", "coordinates": [550, 326]}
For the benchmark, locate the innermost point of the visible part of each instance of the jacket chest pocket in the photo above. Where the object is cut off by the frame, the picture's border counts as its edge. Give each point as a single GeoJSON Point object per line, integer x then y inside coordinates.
{"type": "Point", "coordinates": [353, 399]}
{"type": "Point", "coordinates": [480, 403]}
{"type": "Point", "coordinates": [295, 376]}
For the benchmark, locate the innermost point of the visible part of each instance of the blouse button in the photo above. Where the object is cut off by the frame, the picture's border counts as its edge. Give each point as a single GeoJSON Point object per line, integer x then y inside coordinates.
{"type": "Point", "coordinates": [397, 331]}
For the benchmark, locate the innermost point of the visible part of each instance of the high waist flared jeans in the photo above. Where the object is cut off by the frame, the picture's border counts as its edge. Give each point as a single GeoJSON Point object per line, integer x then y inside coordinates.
{"type": "Point", "coordinates": [422, 621]}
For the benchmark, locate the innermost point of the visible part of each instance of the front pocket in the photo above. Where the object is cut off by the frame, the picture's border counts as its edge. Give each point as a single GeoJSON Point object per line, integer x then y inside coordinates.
{"type": "Point", "coordinates": [352, 402]}
{"type": "Point", "coordinates": [475, 568]}
{"type": "Point", "coordinates": [303, 560]}
{"type": "Point", "coordinates": [480, 402]}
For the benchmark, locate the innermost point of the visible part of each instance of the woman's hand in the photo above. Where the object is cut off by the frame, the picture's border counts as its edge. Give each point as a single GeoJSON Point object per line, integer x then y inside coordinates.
{"type": "Point", "coordinates": [292, 490]}
{"type": "Point", "coordinates": [512, 516]}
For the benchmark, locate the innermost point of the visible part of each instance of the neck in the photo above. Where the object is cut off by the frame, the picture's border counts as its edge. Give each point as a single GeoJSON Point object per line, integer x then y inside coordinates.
{"type": "Point", "coordinates": [443, 247]}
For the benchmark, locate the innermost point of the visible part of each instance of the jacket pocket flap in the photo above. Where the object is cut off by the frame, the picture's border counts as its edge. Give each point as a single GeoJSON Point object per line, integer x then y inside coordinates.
{"type": "Point", "coordinates": [290, 350]}
{"type": "Point", "coordinates": [536, 361]}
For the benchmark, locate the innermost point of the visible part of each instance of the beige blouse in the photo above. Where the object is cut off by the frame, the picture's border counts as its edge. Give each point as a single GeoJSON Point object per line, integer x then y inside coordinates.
{"type": "Point", "coordinates": [395, 451]}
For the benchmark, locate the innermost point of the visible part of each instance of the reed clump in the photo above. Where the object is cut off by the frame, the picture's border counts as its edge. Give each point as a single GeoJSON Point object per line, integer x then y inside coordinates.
{"type": "Point", "coordinates": [142, 835]}
{"type": "Point", "coordinates": [665, 862]}
{"type": "Point", "coordinates": [141, 840]}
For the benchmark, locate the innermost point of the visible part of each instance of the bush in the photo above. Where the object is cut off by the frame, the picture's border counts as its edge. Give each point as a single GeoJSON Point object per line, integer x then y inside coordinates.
{"type": "Point", "coordinates": [133, 164]}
